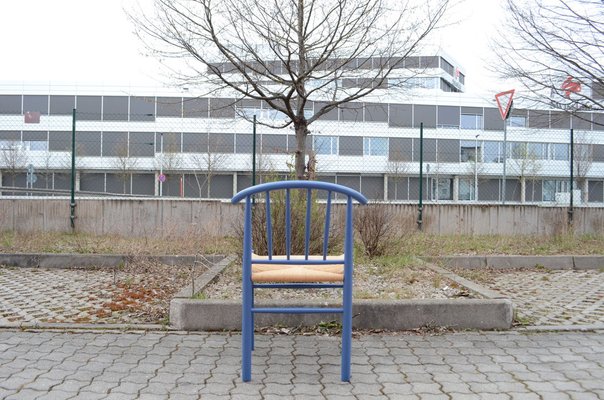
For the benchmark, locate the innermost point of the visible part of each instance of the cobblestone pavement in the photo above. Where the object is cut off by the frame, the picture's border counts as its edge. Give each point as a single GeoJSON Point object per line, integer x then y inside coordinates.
{"type": "Point", "coordinates": [158, 365]}
{"type": "Point", "coordinates": [134, 294]}
{"type": "Point", "coordinates": [543, 297]}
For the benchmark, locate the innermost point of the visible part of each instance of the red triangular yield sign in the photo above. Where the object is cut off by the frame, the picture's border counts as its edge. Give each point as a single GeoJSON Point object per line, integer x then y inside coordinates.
{"type": "Point", "coordinates": [504, 101]}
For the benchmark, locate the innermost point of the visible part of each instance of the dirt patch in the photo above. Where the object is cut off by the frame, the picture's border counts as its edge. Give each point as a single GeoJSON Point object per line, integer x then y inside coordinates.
{"type": "Point", "coordinates": [371, 281]}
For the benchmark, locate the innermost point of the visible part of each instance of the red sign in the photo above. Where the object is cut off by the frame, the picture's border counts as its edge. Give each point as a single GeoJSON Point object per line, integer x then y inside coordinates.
{"type": "Point", "coordinates": [31, 117]}
{"type": "Point", "coordinates": [570, 85]}
{"type": "Point", "coordinates": [504, 102]}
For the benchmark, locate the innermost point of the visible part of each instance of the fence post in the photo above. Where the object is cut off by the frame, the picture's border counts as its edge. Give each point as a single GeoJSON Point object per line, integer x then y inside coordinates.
{"type": "Point", "coordinates": [72, 203]}
{"type": "Point", "coordinates": [254, 152]}
{"type": "Point", "coordinates": [572, 162]}
{"type": "Point", "coordinates": [421, 176]}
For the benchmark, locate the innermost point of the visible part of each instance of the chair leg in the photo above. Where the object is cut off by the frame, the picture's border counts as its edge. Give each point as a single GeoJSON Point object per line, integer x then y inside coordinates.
{"type": "Point", "coordinates": [247, 333]}
{"type": "Point", "coordinates": [346, 336]}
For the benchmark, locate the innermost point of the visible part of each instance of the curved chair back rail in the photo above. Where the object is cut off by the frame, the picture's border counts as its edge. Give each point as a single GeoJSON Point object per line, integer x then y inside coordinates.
{"type": "Point", "coordinates": [300, 271]}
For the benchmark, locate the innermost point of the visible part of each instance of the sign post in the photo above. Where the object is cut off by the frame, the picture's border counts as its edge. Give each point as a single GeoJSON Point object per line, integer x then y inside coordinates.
{"type": "Point", "coordinates": [504, 103]}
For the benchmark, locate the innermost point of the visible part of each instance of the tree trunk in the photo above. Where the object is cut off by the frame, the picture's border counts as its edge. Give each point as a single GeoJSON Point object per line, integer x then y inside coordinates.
{"type": "Point", "coordinates": [522, 189]}
{"type": "Point", "coordinates": [301, 129]}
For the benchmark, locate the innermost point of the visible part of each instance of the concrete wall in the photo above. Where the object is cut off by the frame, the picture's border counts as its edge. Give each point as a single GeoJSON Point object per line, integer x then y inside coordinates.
{"type": "Point", "coordinates": [183, 217]}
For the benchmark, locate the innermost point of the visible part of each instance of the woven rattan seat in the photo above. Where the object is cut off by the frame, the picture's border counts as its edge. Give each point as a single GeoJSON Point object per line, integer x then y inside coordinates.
{"type": "Point", "coordinates": [298, 273]}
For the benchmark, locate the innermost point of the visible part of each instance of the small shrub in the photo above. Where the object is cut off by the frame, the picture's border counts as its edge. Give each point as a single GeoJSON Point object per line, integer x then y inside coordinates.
{"type": "Point", "coordinates": [374, 225]}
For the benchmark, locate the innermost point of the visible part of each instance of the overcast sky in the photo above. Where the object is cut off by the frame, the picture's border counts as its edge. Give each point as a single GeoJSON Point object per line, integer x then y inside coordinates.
{"type": "Point", "coordinates": [91, 41]}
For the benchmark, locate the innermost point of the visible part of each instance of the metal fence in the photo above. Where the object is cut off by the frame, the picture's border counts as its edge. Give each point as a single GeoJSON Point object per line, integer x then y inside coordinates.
{"type": "Point", "coordinates": [156, 149]}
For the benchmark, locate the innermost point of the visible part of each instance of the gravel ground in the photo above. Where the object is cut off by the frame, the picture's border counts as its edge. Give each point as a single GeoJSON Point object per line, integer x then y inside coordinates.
{"type": "Point", "coordinates": [370, 282]}
{"type": "Point", "coordinates": [139, 292]}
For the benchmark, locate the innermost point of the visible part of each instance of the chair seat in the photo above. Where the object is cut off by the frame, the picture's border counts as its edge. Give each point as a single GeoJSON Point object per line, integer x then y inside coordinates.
{"type": "Point", "coordinates": [298, 273]}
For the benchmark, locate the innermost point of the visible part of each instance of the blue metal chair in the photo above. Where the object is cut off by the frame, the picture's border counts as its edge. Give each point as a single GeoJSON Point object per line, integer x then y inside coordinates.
{"type": "Point", "coordinates": [302, 271]}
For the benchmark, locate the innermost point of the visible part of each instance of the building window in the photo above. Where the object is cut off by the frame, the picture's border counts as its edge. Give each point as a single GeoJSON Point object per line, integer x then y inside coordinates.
{"type": "Point", "coordinates": [442, 189]}
{"type": "Point", "coordinates": [491, 152]}
{"type": "Point", "coordinates": [36, 145]}
{"type": "Point", "coordinates": [466, 189]}
{"type": "Point", "coordinates": [516, 121]}
{"type": "Point", "coordinates": [471, 121]}
{"type": "Point", "coordinates": [325, 144]}
{"type": "Point", "coordinates": [558, 151]}
{"type": "Point", "coordinates": [470, 150]}
{"type": "Point", "coordinates": [375, 146]}
{"type": "Point", "coordinates": [551, 187]}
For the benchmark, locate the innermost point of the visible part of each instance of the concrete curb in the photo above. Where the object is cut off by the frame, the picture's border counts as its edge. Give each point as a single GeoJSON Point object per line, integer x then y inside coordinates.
{"type": "Point", "coordinates": [511, 262]}
{"type": "Point", "coordinates": [493, 312]}
{"type": "Point", "coordinates": [50, 260]}
{"type": "Point", "coordinates": [204, 279]}
{"type": "Point", "coordinates": [485, 314]}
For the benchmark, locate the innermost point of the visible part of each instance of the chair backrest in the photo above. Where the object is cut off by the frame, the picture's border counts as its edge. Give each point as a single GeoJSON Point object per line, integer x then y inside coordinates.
{"type": "Point", "coordinates": [330, 189]}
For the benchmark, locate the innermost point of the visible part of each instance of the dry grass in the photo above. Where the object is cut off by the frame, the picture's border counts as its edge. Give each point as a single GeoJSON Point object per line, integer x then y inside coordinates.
{"type": "Point", "coordinates": [399, 250]}
{"type": "Point", "coordinates": [82, 243]}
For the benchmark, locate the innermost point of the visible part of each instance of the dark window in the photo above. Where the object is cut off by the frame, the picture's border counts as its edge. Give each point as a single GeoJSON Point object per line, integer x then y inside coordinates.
{"type": "Point", "coordinates": [596, 191]}
{"type": "Point", "coordinates": [115, 108]}
{"type": "Point", "coordinates": [448, 150]}
{"type": "Point", "coordinates": [400, 149]}
{"type": "Point", "coordinates": [115, 144]}
{"type": "Point", "coordinates": [243, 143]}
{"type": "Point", "coordinates": [275, 144]}
{"type": "Point", "coordinates": [448, 117]}
{"type": "Point", "coordinates": [352, 181]}
{"type": "Point", "coordinates": [375, 112]}
{"type": "Point", "coordinates": [221, 143]}
{"type": "Point", "coordinates": [59, 141]}
{"type": "Point", "coordinates": [447, 66]}
{"type": "Point", "coordinates": [428, 62]}
{"type": "Point", "coordinates": [62, 105]}
{"type": "Point", "coordinates": [195, 107]}
{"type": "Point", "coordinates": [195, 142]}
{"type": "Point", "coordinates": [429, 150]}
{"type": "Point", "coordinates": [88, 144]}
{"type": "Point", "coordinates": [492, 120]}
{"type": "Point", "coordinates": [10, 136]}
{"type": "Point", "coordinates": [351, 146]}
{"type": "Point", "coordinates": [351, 112]}
{"type": "Point", "coordinates": [118, 183]}
{"type": "Point", "coordinates": [491, 152]}
{"type": "Point", "coordinates": [92, 182]}
{"type": "Point", "coordinates": [598, 119]}
{"type": "Point", "coordinates": [170, 107]}
{"type": "Point", "coordinates": [538, 119]}
{"type": "Point", "coordinates": [373, 187]}
{"type": "Point", "coordinates": [598, 152]}
{"type": "Point", "coordinates": [222, 108]}
{"type": "Point", "coordinates": [143, 184]}
{"type": "Point", "coordinates": [141, 144]}
{"type": "Point", "coordinates": [582, 120]}
{"type": "Point", "coordinates": [88, 108]}
{"type": "Point", "coordinates": [221, 187]}
{"type": "Point", "coordinates": [400, 115]}
{"type": "Point", "coordinates": [560, 120]}
{"type": "Point", "coordinates": [142, 108]}
{"type": "Point", "coordinates": [10, 104]}
{"type": "Point", "coordinates": [35, 103]}
{"type": "Point", "coordinates": [398, 187]}
{"type": "Point", "coordinates": [171, 142]}
{"type": "Point", "coordinates": [331, 115]}
{"type": "Point", "coordinates": [425, 114]}
{"type": "Point", "coordinates": [411, 62]}
{"type": "Point", "coordinates": [35, 136]}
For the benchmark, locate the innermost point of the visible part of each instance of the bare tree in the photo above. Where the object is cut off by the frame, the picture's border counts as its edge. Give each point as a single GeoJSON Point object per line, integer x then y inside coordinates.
{"type": "Point", "coordinates": [396, 171]}
{"type": "Point", "coordinates": [525, 163]}
{"type": "Point", "coordinates": [13, 159]}
{"type": "Point", "coordinates": [555, 48]}
{"type": "Point", "coordinates": [582, 160]}
{"type": "Point", "coordinates": [124, 164]}
{"type": "Point", "coordinates": [289, 54]}
{"type": "Point", "coordinates": [206, 167]}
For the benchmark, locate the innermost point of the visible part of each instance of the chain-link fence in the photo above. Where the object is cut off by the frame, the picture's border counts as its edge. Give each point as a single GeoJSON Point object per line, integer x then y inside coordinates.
{"type": "Point", "coordinates": [206, 148]}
